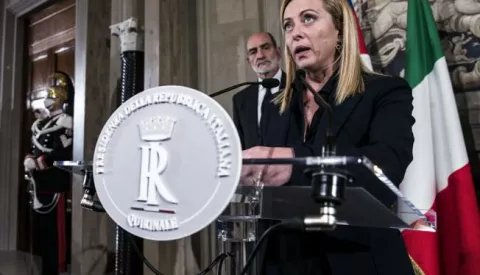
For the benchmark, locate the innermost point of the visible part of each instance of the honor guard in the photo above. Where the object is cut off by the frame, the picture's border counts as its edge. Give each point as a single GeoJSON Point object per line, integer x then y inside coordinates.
{"type": "Point", "coordinates": [51, 141]}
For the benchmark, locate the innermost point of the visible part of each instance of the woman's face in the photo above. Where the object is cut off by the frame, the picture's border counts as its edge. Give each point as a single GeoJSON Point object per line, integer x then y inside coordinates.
{"type": "Point", "coordinates": [310, 34]}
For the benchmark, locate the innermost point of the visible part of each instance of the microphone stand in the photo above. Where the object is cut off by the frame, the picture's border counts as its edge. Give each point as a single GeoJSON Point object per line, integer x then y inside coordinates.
{"type": "Point", "coordinates": [328, 182]}
{"type": "Point", "coordinates": [233, 87]}
{"type": "Point", "coordinates": [88, 200]}
{"type": "Point", "coordinates": [267, 83]}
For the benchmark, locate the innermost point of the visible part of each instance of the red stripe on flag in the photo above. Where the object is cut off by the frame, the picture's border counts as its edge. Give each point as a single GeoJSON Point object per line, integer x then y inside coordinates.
{"type": "Point", "coordinates": [361, 41]}
{"type": "Point", "coordinates": [455, 247]}
{"type": "Point", "coordinates": [459, 220]}
{"type": "Point", "coordinates": [423, 248]}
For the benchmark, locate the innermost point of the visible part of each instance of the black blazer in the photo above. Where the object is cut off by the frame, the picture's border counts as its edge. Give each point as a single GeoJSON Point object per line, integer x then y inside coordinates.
{"type": "Point", "coordinates": [378, 124]}
{"type": "Point", "coordinates": [245, 114]}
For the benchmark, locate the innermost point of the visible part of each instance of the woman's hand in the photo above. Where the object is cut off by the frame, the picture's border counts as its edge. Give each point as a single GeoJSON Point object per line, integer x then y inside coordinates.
{"type": "Point", "coordinates": [267, 174]}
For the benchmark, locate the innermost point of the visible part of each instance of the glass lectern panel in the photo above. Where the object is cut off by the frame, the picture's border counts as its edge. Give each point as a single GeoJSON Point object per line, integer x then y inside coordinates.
{"type": "Point", "coordinates": [255, 201]}
{"type": "Point", "coordinates": [359, 208]}
{"type": "Point", "coordinates": [238, 223]}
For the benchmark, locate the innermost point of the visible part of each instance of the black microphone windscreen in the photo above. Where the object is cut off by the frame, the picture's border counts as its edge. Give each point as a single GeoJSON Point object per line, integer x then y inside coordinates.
{"type": "Point", "coordinates": [270, 83]}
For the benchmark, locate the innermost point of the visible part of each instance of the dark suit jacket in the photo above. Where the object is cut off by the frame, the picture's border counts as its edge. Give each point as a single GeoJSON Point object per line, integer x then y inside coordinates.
{"type": "Point", "coordinates": [245, 114]}
{"type": "Point", "coordinates": [377, 124]}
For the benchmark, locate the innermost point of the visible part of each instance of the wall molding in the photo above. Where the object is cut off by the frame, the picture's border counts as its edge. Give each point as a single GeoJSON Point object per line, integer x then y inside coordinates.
{"type": "Point", "coordinates": [52, 41]}
{"type": "Point", "coordinates": [22, 7]}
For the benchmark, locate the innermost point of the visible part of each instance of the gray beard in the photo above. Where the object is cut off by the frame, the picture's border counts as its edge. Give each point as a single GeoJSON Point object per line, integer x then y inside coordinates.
{"type": "Point", "coordinates": [264, 70]}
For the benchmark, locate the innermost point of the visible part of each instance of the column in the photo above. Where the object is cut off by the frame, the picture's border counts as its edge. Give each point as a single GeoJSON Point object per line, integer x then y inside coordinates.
{"type": "Point", "coordinates": [93, 105]}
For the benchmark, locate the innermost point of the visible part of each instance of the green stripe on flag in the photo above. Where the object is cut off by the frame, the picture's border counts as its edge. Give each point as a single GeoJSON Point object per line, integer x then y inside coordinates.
{"type": "Point", "coordinates": [423, 43]}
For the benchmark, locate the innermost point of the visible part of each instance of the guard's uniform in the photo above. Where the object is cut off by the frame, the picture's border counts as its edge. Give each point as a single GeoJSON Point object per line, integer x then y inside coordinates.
{"type": "Point", "coordinates": [51, 141]}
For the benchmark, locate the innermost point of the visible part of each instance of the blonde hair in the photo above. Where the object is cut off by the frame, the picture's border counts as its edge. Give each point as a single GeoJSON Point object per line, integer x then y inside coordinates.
{"type": "Point", "coordinates": [350, 80]}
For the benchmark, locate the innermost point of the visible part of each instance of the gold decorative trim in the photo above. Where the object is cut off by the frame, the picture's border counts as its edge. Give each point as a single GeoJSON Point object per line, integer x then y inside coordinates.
{"type": "Point", "coordinates": [416, 267]}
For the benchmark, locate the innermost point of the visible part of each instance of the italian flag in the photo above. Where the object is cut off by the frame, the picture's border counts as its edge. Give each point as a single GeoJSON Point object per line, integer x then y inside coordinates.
{"type": "Point", "coordinates": [361, 42]}
{"type": "Point", "coordinates": [439, 178]}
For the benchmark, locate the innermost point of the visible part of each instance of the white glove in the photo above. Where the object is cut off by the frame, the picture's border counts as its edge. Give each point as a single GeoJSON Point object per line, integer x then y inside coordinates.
{"type": "Point", "coordinates": [29, 163]}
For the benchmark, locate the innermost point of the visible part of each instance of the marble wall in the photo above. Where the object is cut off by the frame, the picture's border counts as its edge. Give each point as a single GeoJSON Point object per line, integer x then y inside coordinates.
{"type": "Point", "coordinates": [223, 30]}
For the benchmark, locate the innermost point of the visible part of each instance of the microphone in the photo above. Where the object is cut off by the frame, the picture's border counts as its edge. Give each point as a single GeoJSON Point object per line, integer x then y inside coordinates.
{"type": "Point", "coordinates": [267, 83]}
{"type": "Point", "coordinates": [328, 182]}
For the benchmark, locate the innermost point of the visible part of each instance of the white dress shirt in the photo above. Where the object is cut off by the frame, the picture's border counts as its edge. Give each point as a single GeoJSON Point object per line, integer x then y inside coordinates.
{"type": "Point", "coordinates": [261, 93]}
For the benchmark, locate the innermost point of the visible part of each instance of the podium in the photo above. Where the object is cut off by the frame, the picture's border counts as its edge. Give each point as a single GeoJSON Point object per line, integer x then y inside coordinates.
{"type": "Point", "coordinates": [201, 183]}
{"type": "Point", "coordinates": [238, 229]}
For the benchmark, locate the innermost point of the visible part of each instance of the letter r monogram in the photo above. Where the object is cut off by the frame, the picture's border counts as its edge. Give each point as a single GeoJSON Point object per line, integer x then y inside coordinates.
{"type": "Point", "coordinates": [154, 163]}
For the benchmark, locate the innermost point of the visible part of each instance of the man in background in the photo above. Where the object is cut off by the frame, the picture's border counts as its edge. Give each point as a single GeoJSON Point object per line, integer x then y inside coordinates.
{"type": "Point", "coordinates": [263, 55]}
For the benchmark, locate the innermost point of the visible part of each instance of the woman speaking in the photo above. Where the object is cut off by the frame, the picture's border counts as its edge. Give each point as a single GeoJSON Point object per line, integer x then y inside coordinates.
{"type": "Point", "coordinates": [371, 116]}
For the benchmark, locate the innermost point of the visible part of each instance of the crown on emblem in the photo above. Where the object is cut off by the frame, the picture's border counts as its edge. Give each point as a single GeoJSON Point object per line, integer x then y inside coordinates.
{"type": "Point", "coordinates": [156, 128]}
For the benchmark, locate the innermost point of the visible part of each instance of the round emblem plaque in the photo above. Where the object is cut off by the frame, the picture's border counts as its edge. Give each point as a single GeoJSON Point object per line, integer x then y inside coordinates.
{"type": "Point", "coordinates": [167, 162]}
